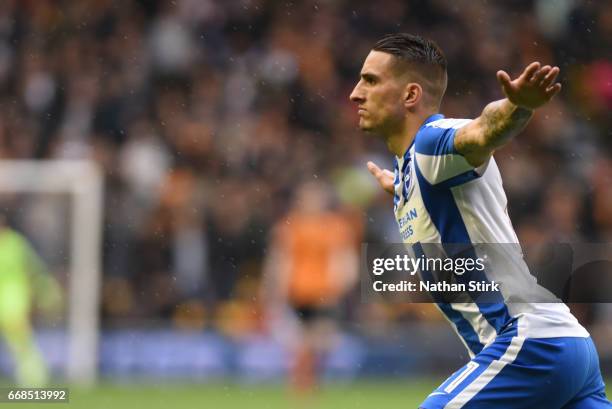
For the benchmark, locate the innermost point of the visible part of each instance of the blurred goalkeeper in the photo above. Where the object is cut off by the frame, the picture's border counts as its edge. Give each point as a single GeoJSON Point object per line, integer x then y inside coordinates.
{"type": "Point", "coordinates": [23, 278]}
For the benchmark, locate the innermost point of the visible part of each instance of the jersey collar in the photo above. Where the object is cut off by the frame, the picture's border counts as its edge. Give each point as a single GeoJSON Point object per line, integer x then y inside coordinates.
{"type": "Point", "coordinates": [429, 119]}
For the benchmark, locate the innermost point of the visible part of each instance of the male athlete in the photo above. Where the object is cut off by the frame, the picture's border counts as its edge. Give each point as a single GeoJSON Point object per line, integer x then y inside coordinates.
{"type": "Point", "coordinates": [525, 355]}
{"type": "Point", "coordinates": [311, 267]}
{"type": "Point", "coordinates": [23, 280]}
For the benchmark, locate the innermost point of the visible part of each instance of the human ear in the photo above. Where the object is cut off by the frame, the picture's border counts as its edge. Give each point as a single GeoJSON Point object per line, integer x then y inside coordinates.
{"type": "Point", "coordinates": [412, 95]}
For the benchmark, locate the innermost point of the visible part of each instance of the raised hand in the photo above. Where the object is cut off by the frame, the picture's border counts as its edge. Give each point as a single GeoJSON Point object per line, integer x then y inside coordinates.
{"type": "Point", "coordinates": [385, 177]}
{"type": "Point", "coordinates": [533, 88]}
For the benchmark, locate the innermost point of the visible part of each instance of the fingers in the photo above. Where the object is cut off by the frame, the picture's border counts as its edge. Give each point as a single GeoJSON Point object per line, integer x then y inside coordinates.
{"type": "Point", "coordinates": [381, 174]}
{"type": "Point", "coordinates": [530, 70]}
{"type": "Point", "coordinates": [385, 177]}
{"type": "Point", "coordinates": [539, 75]}
{"type": "Point", "coordinates": [374, 169]}
{"type": "Point", "coordinates": [550, 78]}
{"type": "Point", "coordinates": [504, 79]}
{"type": "Point", "coordinates": [388, 175]}
{"type": "Point", "coordinates": [553, 90]}
{"type": "Point", "coordinates": [545, 79]}
{"type": "Point", "coordinates": [533, 88]}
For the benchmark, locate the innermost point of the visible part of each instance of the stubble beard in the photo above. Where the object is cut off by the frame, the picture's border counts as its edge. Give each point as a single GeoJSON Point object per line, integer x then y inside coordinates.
{"type": "Point", "coordinates": [366, 125]}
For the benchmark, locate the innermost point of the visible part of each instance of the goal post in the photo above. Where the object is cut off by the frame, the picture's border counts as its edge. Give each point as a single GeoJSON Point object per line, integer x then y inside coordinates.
{"type": "Point", "coordinates": [82, 180]}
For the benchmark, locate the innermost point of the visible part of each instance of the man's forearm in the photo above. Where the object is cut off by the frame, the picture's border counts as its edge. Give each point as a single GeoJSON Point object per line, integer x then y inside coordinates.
{"type": "Point", "coordinates": [500, 121]}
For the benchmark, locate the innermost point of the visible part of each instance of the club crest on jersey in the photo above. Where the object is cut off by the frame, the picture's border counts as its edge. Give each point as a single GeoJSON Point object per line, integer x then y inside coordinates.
{"type": "Point", "coordinates": [402, 182]}
{"type": "Point", "coordinates": [406, 187]}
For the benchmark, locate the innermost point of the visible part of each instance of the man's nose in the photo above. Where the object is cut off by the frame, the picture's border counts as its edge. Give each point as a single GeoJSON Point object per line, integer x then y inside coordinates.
{"type": "Point", "coordinates": [357, 96]}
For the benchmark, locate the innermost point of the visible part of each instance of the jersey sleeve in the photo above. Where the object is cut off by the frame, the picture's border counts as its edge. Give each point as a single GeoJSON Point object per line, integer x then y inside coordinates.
{"type": "Point", "coordinates": [436, 157]}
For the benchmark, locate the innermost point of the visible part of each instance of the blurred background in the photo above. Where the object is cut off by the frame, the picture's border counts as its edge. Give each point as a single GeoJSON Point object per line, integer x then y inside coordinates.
{"type": "Point", "coordinates": [234, 175]}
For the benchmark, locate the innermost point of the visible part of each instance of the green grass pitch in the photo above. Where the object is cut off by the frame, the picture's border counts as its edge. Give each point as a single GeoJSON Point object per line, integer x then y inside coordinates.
{"type": "Point", "coordinates": [359, 395]}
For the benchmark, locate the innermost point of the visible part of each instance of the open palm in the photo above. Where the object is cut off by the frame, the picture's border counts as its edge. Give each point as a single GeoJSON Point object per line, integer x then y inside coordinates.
{"type": "Point", "coordinates": [533, 88]}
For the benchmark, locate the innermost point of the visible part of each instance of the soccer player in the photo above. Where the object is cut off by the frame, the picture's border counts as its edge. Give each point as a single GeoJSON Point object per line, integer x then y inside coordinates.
{"type": "Point", "coordinates": [312, 265]}
{"type": "Point", "coordinates": [524, 355]}
{"type": "Point", "coordinates": [23, 277]}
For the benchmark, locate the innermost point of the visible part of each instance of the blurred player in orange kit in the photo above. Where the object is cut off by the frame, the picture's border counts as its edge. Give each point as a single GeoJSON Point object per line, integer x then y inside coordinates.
{"type": "Point", "coordinates": [311, 266]}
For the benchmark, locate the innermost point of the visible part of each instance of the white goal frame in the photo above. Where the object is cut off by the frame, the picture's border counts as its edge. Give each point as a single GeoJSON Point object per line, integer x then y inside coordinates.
{"type": "Point", "coordinates": [83, 181]}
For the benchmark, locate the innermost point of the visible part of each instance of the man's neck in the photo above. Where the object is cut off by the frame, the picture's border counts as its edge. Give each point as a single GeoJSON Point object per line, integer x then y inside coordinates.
{"type": "Point", "coordinates": [399, 141]}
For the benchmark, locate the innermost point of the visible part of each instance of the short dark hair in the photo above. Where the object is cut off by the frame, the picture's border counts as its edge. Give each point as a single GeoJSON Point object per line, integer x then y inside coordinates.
{"type": "Point", "coordinates": [423, 56]}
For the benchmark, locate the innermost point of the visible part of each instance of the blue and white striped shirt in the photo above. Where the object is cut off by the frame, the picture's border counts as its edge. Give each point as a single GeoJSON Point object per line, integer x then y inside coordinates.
{"type": "Point", "coordinates": [440, 198]}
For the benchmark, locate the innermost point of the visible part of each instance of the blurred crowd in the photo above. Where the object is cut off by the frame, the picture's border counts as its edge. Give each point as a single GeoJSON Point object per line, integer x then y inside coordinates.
{"type": "Point", "coordinates": [206, 116]}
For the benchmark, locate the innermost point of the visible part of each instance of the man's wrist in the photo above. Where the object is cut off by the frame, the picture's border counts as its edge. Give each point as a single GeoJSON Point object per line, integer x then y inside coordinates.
{"type": "Point", "coordinates": [520, 109]}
